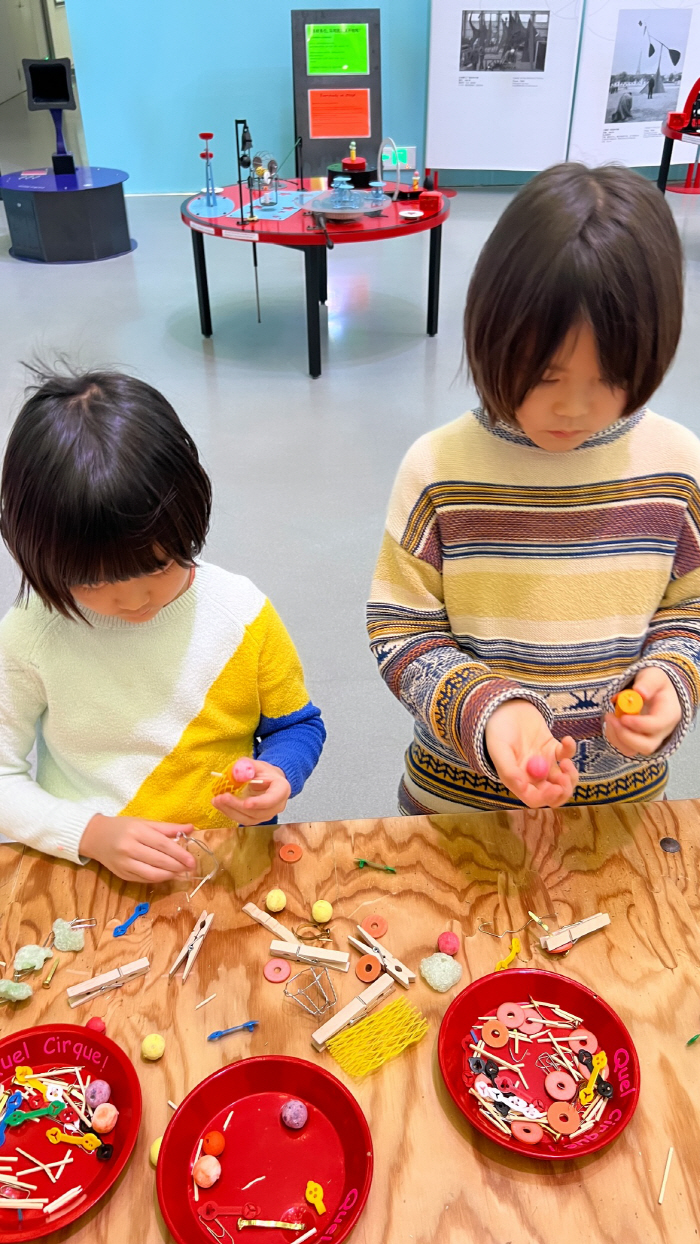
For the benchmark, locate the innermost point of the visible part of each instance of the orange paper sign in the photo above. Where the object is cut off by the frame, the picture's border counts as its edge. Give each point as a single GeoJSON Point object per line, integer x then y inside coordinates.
{"type": "Point", "coordinates": [339, 114]}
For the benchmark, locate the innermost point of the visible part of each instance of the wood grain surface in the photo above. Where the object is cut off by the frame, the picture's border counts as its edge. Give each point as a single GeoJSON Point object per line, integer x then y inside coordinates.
{"type": "Point", "coordinates": [437, 1181]}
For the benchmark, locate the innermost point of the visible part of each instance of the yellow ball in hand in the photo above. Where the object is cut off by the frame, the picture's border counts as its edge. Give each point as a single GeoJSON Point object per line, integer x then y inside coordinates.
{"type": "Point", "coordinates": [154, 1151]}
{"type": "Point", "coordinates": [153, 1047]}
{"type": "Point", "coordinates": [322, 911]}
{"type": "Point", "coordinates": [276, 900]}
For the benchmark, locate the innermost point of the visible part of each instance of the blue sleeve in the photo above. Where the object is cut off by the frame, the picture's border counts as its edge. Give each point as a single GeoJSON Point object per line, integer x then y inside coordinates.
{"type": "Point", "coordinates": [292, 743]}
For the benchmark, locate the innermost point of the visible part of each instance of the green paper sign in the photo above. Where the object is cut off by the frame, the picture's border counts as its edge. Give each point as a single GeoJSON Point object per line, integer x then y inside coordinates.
{"type": "Point", "coordinates": [342, 49]}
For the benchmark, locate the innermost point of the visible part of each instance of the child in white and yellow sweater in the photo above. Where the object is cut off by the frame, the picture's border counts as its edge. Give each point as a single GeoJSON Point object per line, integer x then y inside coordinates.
{"type": "Point", "coordinates": [136, 669]}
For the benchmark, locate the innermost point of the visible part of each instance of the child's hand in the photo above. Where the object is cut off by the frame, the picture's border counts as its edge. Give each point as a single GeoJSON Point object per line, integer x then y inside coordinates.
{"type": "Point", "coordinates": [137, 850]}
{"type": "Point", "coordinates": [645, 733]}
{"type": "Point", "coordinates": [516, 732]}
{"type": "Point", "coordinates": [269, 792]}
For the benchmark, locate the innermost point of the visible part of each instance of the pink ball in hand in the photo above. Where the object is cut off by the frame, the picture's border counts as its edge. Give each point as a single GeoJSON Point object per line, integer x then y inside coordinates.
{"type": "Point", "coordinates": [537, 767]}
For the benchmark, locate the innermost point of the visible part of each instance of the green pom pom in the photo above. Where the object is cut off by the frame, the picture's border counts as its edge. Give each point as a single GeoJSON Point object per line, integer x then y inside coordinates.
{"type": "Point", "coordinates": [14, 991]}
{"type": "Point", "coordinates": [66, 938]}
{"type": "Point", "coordinates": [441, 972]}
{"type": "Point", "coordinates": [31, 958]}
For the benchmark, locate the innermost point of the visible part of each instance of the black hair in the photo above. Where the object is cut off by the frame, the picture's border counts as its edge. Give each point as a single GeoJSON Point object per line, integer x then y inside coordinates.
{"type": "Point", "coordinates": [100, 483]}
{"type": "Point", "coordinates": [576, 244]}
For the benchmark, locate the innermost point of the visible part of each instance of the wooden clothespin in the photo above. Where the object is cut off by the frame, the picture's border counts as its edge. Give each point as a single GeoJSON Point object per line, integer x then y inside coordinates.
{"type": "Point", "coordinates": [572, 932]}
{"type": "Point", "coordinates": [193, 945]}
{"type": "Point", "coordinates": [360, 1006]}
{"type": "Point", "coordinates": [86, 990]}
{"type": "Point", "coordinates": [268, 922]}
{"type": "Point", "coordinates": [303, 953]}
{"type": "Point", "coordinates": [369, 945]}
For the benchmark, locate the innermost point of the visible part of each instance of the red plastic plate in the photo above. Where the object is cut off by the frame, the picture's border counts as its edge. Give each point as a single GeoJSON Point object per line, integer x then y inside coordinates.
{"type": "Point", "coordinates": [483, 997]}
{"type": "Point", "coordinates": [63, 1045]}
{"type": "Point", "coordinates": [334, 1150]}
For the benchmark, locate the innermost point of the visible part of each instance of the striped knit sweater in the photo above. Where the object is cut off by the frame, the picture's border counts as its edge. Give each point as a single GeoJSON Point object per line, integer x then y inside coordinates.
{"type": "Point", "coordinates": [510, 572]}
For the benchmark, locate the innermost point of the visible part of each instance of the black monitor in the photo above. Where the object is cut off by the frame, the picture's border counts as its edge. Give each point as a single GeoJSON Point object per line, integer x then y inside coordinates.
{"type": "Point", "coordinates": [49, 84]}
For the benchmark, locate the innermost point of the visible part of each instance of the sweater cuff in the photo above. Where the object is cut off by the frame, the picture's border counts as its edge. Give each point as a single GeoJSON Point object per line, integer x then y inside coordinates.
{"type": "Point", "coordinates": [462, 705]}
{"type": "Point", "coordinates": [675, 739]}
{"type": "Point", "coordinates": [69, 831]}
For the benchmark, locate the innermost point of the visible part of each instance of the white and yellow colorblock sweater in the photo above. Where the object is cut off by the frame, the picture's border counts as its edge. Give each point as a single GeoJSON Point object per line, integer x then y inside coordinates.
{"type": "Point", "coordinates": [131, 718]}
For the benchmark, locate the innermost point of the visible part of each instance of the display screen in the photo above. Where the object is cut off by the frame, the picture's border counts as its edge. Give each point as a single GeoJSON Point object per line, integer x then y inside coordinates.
{"type": "Point", "coordinates": [337, 49]}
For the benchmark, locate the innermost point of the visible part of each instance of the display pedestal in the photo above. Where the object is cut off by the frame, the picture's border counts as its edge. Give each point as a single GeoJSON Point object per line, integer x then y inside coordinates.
{"type": "Point", "coordinates": [67, 218]}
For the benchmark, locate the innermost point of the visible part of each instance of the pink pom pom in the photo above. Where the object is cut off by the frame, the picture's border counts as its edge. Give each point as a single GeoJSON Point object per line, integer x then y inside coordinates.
{"type": "Point", "coordinates": [537, 767]}
{"type": "Point", "coordinates": [448, 943]}
{"type": "Point", "coordinates": [97, 1024]}
{"type": "Point", "coordinates": [243, 770]}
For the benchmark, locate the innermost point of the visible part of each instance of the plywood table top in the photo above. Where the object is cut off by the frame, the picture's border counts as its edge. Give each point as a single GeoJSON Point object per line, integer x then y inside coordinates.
{"type": "Point", "coordinates": [436, 1180]}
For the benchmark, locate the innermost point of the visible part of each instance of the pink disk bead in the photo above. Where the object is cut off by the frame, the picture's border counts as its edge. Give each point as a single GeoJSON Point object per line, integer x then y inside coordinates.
{"type": "Point", "coordinates": [560, 1085]}
{"type": "Point", "coordinates": [582, 1039]}
{"type": "Point", "coordinates": [527, 1133]}
{"type": "Point", "coordinates": [448, 943]}
{"type": "Point", "coordinates": [531, 1023]}
{"type": "Point", "coordinates": [537, 767]}
{"type": "Point", "coordinates": [277, 971]}
{"type": "Point", "coordinates": [510, 1014]}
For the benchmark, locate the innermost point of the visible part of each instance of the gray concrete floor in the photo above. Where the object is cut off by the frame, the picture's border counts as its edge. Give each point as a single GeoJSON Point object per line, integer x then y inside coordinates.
{"type": "Point", "coordinates": [302, 468]}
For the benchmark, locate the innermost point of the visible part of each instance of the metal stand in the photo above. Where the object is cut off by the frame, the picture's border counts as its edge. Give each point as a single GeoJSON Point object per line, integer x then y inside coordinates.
{"type": "Point", "coordinates": [200, 272]}
{"type": "Point", "coordinates": [314, 256]}
{"type": "Point", "coordinates": [434, 279]}
{"type": "Point", "coordinates": [665, 165]}
{"type": "Point", "coordinates": [323, 276]}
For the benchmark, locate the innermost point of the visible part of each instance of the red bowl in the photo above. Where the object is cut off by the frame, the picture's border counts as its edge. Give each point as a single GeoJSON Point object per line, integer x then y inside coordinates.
{"type": "Point", "coordinates": [483, 997]}
{"type": "Point", "coordinates": [334, 1149]}
{"type": "Point", "coordinates": [62, 1045]}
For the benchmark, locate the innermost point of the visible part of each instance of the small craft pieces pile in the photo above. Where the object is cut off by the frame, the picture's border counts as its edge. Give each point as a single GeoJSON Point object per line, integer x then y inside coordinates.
{"type": "Point", "coordinates": [206, 1171]}
{"type": "Point", "coordinates": [501, 1052]}
{"type": "Point", "coordinates": [81, 1119]}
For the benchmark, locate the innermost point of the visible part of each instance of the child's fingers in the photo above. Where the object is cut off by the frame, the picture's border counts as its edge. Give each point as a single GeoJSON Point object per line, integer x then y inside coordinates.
{"type": "Point", "coordinates": [145, 872]}
{"type": "Point", "coordinates": [641, 724]}
{"type": "Point", "coordinates": [170, 830]}
{"type": "Point", "coordinates": [169, 853]}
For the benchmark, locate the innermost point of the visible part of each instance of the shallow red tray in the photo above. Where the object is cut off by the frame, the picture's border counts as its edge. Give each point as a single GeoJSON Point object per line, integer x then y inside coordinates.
{"type": "Point", "coordinates": [61, 1045]}
{"type": "Point", "coordinates": [334, 1150]}
{"type": "Point", "coordinates": [483, 997]}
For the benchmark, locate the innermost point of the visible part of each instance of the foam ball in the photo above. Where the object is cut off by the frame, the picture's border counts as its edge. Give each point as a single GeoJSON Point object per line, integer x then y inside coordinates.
{"type": "Point", "coordinates": [276, 900]}
{"type": "Point", "coordinates": [105, 1118]}
{"type": "Point", "coordinates": [154, 1151]}
{"type": "Point", "coordinates": [448, 943]}
{"type": "Point", "coordinates": [14, 991]}
{"type": "Point", "coordinates": [206, 1171]}
{"type": "Point", "coordinates": [153, 1047]}
{"type": "Point", "coordinates": [67, 938]}
{"type": "Point", "coordinates": [441, 972]}
{"type": "Point", "coordinates": [294, 1114]}
{"type": "Point", "coordinates": [213, 1143]}
{"type": "Point", "coordinates": [96, 1024]}
{"type": "Point", "coordinates": [98, 1093]}
{"type": "Point", "coordinates": [322, 911]}
{"type": "Point", "coordinates": [537, 767]}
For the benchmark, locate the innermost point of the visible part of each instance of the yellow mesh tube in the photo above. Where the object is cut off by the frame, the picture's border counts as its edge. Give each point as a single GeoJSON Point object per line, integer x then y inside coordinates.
{"type": "Point", "coordinates": [375, 1040]}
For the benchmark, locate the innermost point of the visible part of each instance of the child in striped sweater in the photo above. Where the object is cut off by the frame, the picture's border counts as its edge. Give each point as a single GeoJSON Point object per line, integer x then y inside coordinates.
{"type": "Point", "coordinates": [136, 669]}
{"type": "Point", "coordinates": [543, 552]}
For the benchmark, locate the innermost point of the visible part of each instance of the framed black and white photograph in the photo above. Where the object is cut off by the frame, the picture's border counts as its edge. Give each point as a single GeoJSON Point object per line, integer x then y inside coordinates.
{"type": "Point", "coordinates": [503, 41]}
{"type": "Point", "coordinates": [648, 63]}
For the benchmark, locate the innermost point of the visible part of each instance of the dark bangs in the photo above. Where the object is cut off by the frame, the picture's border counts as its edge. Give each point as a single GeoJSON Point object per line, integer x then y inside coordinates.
{"type": "Point", "coordinates": [576, 244]}
{"type": "Point", "coordinates": [101, 482]}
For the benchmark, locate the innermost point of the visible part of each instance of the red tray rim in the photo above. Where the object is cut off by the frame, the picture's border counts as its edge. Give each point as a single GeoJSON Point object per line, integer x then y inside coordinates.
{"type": "Point", "coordinates": [119, 1161]}
{"type": "Point", "coordinates": [525, 974]}
{"type": "Point", "coordinates": [287, 1059]}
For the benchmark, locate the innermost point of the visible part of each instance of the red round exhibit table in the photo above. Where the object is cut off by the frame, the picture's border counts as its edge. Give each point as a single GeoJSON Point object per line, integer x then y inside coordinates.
{"type": "Point", "coordinates": [300, 231]}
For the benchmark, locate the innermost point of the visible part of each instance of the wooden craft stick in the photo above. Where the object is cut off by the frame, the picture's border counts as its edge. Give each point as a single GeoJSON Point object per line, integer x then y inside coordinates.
{"type": "Point", "coordinates": [669, 1159]}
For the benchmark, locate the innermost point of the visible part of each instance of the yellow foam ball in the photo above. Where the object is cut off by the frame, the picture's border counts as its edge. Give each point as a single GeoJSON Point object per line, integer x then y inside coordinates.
{"type": "Point", "coordinates": [153, 1047]}
{"type": "Point", "coordinates": [154, 1151]}
{"type": "Point", "coordinates": [322, 911]}
{"type": "Point", "coordinates": [276, 900]}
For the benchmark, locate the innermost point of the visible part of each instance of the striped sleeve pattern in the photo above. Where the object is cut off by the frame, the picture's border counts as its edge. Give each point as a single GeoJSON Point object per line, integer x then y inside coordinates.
{"type": "Point", "coordinates": [506, 571]}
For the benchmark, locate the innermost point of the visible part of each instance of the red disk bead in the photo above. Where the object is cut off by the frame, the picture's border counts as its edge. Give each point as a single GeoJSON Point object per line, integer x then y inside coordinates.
{"type": "Point", "coordinates": [206, 136]}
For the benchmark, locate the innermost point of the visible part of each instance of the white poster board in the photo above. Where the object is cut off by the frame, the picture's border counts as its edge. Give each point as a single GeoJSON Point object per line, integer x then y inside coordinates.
{"type": "Point", "coordinates": [500, 85]}
{"type": "Point", "coordinates": [637, 65]}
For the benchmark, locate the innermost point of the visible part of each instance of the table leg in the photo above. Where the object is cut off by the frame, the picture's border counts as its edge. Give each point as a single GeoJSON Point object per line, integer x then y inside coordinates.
{"type": "Point", "coordinates": [200, 272]}
{"type": "Point", "coordinates": [323, 275]}
{"type": "Point", "coordinates": [312, 265]}
{"type": "Point", "coordinates": [665, 165]}
{"type": "Point", "coordinates": [434, 279]}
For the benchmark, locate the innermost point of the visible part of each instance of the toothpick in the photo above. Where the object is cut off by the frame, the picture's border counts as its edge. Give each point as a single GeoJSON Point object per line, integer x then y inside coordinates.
{"type": "Point", "coordinates": [518, 1067]}
{"type": "Point", "coordinates": [253, 1181]}
{"type": "Point", "coordinates": [307, 1236]}
{"type": "Point", "coordinates": [204, 1003]}
{"type": "Point", "coordinates": [197, 888]}
{"type": "Point", "coordinates": [63, 1200]}
{"type": "Point", "coordinates": [495, 1121]}
{"type": "Point", "coordinates": [18, 1183]}
{"type": "Point", "coordinates": [172, 1105]}
{"type": "Point", "coordinates": [39, 1165]}
{"type": "Point", "coordinates": [64, 1163]}
{"type": "Point", "coordinates": [196, 1159]}
{"type": "Point", "coordinates": [669, 1159]}
{"type": "Point", "coordinates": [228, 1119]}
